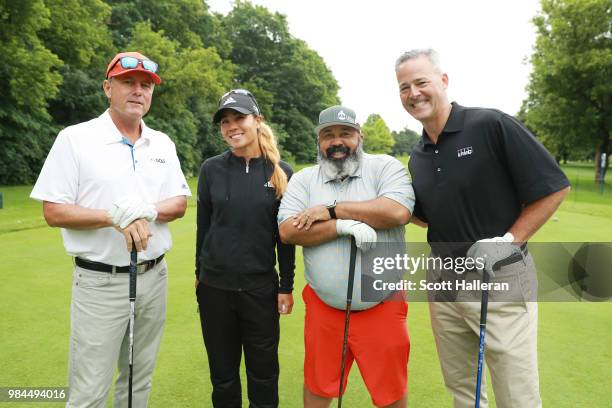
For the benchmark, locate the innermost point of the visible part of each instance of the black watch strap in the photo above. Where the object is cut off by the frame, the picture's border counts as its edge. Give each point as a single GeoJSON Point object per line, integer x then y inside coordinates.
{"type": "Point", "coordinates": [332, 210]}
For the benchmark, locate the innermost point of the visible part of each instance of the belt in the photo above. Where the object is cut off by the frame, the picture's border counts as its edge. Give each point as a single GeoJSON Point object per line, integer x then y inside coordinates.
{"type": "Point", "coordinates": [514, 258]}
{"type": "Point", "coordinates": [102, 267]}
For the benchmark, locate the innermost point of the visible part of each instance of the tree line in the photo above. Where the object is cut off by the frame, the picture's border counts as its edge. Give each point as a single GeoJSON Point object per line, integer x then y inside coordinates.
{"type": "Point", "coordinates": [56, 53]}
{"type": "Point", "coordinates": [569, 103]}
{"type": "Point", "coordinates": [56, 56]}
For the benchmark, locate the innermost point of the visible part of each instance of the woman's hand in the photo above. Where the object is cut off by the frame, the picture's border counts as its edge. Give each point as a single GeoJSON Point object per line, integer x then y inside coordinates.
{"type": "Point", "coordinates": [285, 303]}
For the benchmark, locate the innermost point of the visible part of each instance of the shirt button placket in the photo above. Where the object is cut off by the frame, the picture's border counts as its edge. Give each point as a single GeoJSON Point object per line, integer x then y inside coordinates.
{"type": "Point", "coordinates": [437, 163]}
{"type": "Point", "coordinates": [341, 190]}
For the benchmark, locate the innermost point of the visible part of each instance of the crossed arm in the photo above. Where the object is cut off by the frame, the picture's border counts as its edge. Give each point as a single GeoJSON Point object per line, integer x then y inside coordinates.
{"type": "Point", "coordinates": [314, 226]}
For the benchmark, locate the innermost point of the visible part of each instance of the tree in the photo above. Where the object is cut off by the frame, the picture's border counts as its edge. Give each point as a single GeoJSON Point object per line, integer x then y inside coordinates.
{"type": "Point", "coordinates": [29, 78]}
{"type": "Point", "coordinates": [291, 82]}
{"type": "Point", "coordinates": [183, 105]}
{"type": "Point", "coordinates": [56, 53]}
{"type": "Point", "coordinates": [79, 36]}
{"type": "Point", "coordinates": [570, 92]}
{"type": "Point", "coordinates": [377, 137]}
{"type": "Point", "coordinates": [405, 140]}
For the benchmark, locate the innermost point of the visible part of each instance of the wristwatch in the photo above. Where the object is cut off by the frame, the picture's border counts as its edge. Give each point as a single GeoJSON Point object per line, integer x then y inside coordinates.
{"type": "Point", "coordinates": [332, 210]}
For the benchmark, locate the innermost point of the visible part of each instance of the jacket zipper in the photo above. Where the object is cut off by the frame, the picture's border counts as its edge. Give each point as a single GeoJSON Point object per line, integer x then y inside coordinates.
{"type": "Point", "coordinates": [247, 168]}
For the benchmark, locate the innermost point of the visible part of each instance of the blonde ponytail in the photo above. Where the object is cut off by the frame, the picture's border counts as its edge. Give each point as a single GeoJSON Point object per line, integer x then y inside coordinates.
{"type": "Point", "coordinates": [267, 144]}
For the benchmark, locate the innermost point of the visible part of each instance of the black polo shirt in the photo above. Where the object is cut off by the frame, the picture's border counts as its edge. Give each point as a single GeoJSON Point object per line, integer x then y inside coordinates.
{"type": "Point", "coordinates": [473, 183]}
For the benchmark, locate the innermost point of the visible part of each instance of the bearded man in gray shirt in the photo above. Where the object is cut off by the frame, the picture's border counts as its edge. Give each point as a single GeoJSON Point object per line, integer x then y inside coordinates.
{"type": "Point", "coordinates": [369, 197]}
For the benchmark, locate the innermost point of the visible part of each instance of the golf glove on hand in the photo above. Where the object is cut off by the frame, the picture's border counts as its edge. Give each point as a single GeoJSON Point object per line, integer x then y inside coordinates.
{"type": "Point", "coordinates": [126, 211]}
{"type": "Point", "coordinates": [365, 236]}
{"type": "Point", "coordinates": [493, 250]}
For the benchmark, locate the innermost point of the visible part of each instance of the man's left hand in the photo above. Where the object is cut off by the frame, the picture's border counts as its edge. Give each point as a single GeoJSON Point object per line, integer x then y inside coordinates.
{"type": "Point", "coordinates": [310, 215]}
{"type": "Point", "coordinates": [285, 303]}
{"type": "Point", "coordinates": [493, 250]}
{"type": "Point", "coordinates": [125, 211]}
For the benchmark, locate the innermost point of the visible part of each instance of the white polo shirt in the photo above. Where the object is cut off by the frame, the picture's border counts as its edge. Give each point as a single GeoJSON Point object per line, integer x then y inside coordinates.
{"type": "Point", "coordinates": [92, 165]}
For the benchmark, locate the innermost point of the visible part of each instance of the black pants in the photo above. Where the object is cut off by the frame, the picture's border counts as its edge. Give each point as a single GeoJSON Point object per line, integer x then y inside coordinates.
{"type": "Point", "coordinates": [233, 321]}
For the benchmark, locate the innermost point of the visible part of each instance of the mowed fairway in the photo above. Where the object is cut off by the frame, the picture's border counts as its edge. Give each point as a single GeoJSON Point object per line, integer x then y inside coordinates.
{"type": "Point", "coordinates": [574, 338]}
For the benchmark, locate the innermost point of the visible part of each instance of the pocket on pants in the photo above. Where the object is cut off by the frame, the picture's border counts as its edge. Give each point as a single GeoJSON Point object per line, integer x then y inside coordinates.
{"type": "Point", "coordinates": [162, 269]}
{"type": "Point", "coordinates": [87, 279]}
{"type": "Point", "coordinates": [521, 280]}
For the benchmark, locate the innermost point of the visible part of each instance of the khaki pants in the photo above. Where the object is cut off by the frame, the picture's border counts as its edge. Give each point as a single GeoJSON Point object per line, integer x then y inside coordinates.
{"type": "Point", "coordinates": [99, 339]}
{"type": "Point", "coordinates": [510, 343]}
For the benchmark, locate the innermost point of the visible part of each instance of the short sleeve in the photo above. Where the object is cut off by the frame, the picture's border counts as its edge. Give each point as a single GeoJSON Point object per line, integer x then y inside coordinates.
{"type": "Point", "coordinates": [418, 211]}
{"type": "Point", "coordinates": [295, 198]}
{"type": "Point", "coordinates": [175, 184]}
{"type": "Point", "coordinates": [395, 184]}
{"type": "Point", "coordinates": [533, 169]}
{"type": "Point", "coordinates": [58, 180]}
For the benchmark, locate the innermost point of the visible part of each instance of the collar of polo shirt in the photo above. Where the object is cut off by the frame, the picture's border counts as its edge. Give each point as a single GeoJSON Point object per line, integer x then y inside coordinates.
{"type": "Point", "coordinates": [115, 136]}
{"type": "Point", "coordinates": [355, 173]}
{"type": "Point", "coordinates": [454, 124]}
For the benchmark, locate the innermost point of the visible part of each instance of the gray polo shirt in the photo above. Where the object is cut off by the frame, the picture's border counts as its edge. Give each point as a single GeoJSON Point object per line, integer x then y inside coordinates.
{"type": "Point", "coordinates": [326, 265]}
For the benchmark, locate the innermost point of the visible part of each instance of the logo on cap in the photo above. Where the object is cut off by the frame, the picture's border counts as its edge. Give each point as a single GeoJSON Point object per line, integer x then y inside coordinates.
{"type": "Point", "coordinates": [229, 100]}
{"type": "Point", "coordinates": [341, 115]}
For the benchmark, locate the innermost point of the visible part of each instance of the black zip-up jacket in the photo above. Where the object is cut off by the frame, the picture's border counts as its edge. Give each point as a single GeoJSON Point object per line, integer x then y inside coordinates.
{"type": "Point", "coordinates": [237, 227]}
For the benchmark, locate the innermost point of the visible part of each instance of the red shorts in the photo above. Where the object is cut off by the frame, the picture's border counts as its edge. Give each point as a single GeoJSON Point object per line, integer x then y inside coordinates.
{"type": "Point", "coordinates": [378, 340]}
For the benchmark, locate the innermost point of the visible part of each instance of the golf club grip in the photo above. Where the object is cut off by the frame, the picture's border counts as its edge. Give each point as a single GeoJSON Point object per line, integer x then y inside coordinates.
{"type": "Point", "coordinates": [484, 303]}
{"type": "Point", "coordinates": [351, 278]}
{"type": "Point", "coordinates": [133, 266]}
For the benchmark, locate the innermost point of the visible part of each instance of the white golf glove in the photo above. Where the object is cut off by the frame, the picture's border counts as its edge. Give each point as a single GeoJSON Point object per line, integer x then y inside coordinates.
{"type": "Point", "coordinates": [126, 211]}
{"type": "Point", "coordinates": [365, 236]}
{"type": "Point", "coordinates": [493, 250]}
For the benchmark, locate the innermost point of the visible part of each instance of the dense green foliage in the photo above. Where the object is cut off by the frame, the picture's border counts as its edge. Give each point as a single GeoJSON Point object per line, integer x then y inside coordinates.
{"type": "Point", "coordinates": [56, 53]}
{"type": "Point", "coordinates": [377, 137]}
{"type": "Point", "coordinates": [405, 140]}
{"type": "Point", "coordinates": [570, 93]}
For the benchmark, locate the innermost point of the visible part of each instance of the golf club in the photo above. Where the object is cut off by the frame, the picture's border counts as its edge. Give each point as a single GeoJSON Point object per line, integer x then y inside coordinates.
{"type": "Point", "coordinates": [484, 303]}
{"type": "Point", "coordinates": [133, 270]}
{"type": "Point", "coordinates": [349, 299]}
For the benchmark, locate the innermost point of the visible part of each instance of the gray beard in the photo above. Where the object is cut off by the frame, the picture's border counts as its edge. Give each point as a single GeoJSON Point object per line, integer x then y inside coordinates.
{"type": "Point", "coordinates": [338, 169]}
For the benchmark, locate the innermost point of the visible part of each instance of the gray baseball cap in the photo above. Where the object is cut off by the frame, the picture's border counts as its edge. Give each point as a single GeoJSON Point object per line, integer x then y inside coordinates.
{"type": "Point", "coordinates": [337, 115]}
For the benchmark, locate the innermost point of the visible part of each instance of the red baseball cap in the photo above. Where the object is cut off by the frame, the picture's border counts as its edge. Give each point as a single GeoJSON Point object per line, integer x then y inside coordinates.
{"type": "Point", "coordinates": [115, 68]}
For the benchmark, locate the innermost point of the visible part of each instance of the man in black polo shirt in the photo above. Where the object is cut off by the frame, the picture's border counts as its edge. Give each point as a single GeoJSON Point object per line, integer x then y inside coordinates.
{"type": "Point", "coordinates": [482, 179]}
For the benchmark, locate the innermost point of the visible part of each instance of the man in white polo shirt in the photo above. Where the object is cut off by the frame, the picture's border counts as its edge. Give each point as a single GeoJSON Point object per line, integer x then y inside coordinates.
{"type": "Point", "coordinates": [111, 183]}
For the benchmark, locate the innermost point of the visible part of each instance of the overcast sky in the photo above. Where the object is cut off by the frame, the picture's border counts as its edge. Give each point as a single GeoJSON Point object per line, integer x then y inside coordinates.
{"type": "Point", "coordinates": [483, 44]}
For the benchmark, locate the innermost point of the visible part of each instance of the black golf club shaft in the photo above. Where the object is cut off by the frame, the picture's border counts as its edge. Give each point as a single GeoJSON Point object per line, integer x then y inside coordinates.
{"type": "Point", "coordinates": [132, 290]}
{"type": "Point", "coordinates": [484, 303]}
{"type": "Point", "coordinates": [349, 300]}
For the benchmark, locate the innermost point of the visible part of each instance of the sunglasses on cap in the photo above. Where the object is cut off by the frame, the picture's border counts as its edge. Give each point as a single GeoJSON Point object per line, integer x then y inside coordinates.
{"type": "Point", "coordinates": [240, 92]}
{"type": "Point", "coordinates": [132, 62]}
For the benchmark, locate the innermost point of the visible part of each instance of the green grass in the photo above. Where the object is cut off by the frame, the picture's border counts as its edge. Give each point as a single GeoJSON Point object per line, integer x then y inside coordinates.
{"type": "Point", "coordinates": [574, 338]}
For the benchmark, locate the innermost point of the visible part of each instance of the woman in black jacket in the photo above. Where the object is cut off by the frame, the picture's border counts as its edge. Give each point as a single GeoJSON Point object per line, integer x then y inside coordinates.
{"type": "Point", "coordinates": [239, 292]}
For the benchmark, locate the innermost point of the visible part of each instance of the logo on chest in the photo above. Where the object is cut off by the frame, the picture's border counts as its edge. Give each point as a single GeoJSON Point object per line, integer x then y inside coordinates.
{"type": "Point", "coordinates": [464, 151]}
{"type": "Point", "coordinates": [158, 160]}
